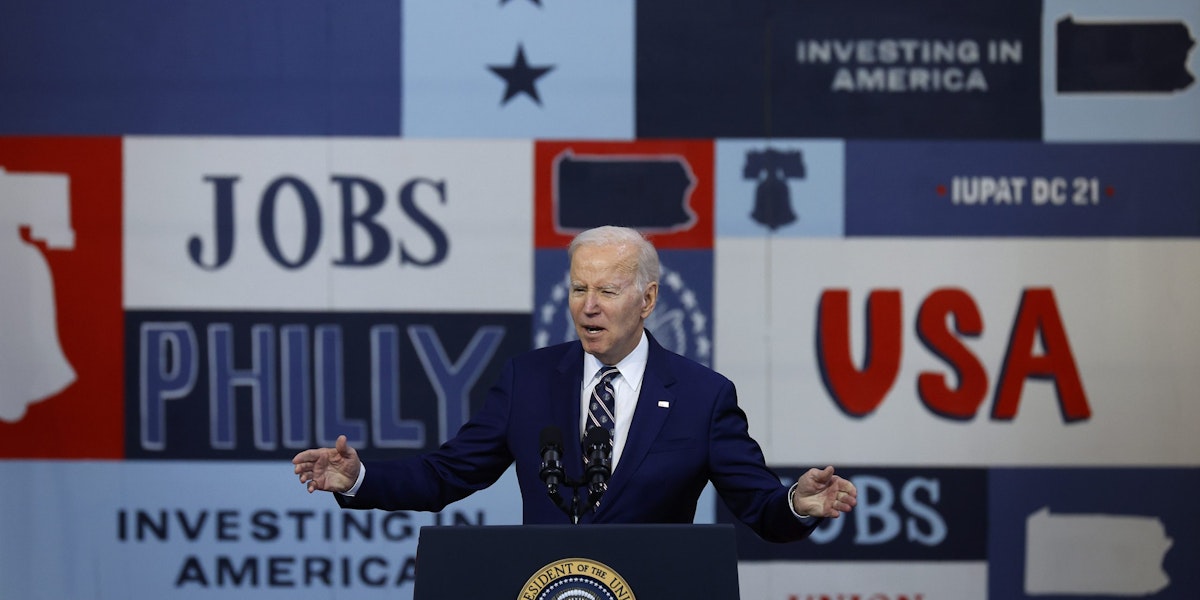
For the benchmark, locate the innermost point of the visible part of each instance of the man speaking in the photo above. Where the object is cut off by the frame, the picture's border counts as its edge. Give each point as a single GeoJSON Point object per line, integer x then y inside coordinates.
{"type": "Point", "coordinates": [655, 427]}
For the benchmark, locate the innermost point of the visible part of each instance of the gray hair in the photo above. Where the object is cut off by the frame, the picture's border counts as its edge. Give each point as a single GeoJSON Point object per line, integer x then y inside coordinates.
{"type": "Point", "coordinates": [646, 270]}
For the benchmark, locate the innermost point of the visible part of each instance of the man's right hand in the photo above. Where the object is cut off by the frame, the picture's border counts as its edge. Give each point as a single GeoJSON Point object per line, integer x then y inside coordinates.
{"type": "Point", "coordinates": [328, 469]}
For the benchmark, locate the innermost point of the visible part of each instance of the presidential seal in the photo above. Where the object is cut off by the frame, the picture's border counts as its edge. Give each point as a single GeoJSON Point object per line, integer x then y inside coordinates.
{"type": "Point", "coordinates": [576, 579]}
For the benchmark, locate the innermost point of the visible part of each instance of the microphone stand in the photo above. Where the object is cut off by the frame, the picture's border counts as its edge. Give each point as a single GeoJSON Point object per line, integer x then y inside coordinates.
{"type": "Point", "coordinates": [597, 444]}
{"type": "Point", "coordinates": [598, 449]}
{"type": "Point", "coordinates": [574, 510]}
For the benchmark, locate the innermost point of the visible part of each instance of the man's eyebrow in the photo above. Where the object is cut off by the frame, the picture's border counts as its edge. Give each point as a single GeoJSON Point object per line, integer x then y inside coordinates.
{"type": "Point", "coordinates": [604, 286]}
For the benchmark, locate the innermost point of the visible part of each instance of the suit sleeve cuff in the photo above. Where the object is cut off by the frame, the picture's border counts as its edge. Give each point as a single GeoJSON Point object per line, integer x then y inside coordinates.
{"type": "Point", "coordinates": [791, 503]}
{"type": "Point", "coordinates": [362, 474]}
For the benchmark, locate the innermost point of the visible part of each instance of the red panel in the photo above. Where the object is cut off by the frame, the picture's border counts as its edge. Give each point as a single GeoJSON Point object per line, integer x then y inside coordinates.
{"type": "Point", "coordinates": [85, 419]}
{"type": "Point", "coordinates": [697, 153]}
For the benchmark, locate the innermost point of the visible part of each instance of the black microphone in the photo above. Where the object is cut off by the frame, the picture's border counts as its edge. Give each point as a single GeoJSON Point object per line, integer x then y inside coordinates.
{"type": "Point", "coordinates": [551, 443]}
{"type": "Point", "coordinates": [597, 446]}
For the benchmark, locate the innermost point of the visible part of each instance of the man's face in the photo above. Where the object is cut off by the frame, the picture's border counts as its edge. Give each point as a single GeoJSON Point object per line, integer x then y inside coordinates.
{"type": "Point", "coordinates": [605, 304]}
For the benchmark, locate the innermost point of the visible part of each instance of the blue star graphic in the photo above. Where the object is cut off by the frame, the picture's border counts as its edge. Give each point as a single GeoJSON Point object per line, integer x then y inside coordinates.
{"type": "Point", "coordinates": [520, 78]}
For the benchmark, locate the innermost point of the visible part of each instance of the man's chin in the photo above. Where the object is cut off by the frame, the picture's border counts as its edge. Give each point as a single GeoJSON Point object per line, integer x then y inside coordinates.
{"type": "Point", "coordinates": [593, 347]}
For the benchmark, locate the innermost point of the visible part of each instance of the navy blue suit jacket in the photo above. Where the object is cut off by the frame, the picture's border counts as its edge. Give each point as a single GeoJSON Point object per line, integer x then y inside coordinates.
{"type": "Point", "coordinates": [672, 451]}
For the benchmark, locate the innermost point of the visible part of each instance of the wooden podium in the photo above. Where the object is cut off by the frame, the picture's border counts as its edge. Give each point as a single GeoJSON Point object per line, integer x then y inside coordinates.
{"type": "Point", "coordinates": [617, 562]}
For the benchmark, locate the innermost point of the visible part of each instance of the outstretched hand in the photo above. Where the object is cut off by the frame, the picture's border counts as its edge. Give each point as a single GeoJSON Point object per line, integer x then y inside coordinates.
{"type": "Point", "coordinates": [820, 493]}
{"type": "Point", "coordinates": [328, 469]}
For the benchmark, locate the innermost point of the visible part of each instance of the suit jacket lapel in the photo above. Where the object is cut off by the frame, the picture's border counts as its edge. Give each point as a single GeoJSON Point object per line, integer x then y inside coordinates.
{"type": "Point", "coordinates": [564, 407]}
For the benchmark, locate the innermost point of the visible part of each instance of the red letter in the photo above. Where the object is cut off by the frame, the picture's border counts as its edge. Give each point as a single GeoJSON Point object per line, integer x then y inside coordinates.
{"type": "Point", "coordinates": [961, 403]}
{"type": "Point", "coordinates": [1038, 313]}
{"type": "Point", "coordinates": [859, 392]}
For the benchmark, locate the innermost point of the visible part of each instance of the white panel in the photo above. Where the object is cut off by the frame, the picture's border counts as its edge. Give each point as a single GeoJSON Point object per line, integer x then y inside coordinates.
{"type": "Point", "coordinates": [483, 211]}
{"type": "Point", "coordinates": [819, 580]}
{"type": "Point", "coordinates": [1128, 308]}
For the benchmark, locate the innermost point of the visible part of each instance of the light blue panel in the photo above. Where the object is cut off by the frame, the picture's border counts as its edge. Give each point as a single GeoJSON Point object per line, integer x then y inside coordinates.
{"type": "Point", "coordinates": [815, 188]}
{"type": "Point", "coordinates": [1172, 116]}
{"type": "Point", "coordinates": [448, 89]}
{"type": "Point", "coordinates": [213, 530]}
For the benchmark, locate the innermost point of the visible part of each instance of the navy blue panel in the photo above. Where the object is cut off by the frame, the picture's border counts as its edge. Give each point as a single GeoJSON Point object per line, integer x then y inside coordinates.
{"type": "Point", "coordinates": [304, 67]}
{"type": "Point", "coordinates": [1165, 495]}
{"type": "Point", "coordinates": [1022, 189]}
{"type": "Point", "coordinates": [700, 68]}
{"type": "Point", "coordinates": [902, 515]}
{"type": "Point", "coordinates": [264, 385]}
{"type": "Point", "coordinates": [865, 69]}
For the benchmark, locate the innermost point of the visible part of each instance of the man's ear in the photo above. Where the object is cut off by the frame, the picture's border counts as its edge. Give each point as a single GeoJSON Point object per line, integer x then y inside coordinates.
{"type": "Point", "coordinates": [649, 299]}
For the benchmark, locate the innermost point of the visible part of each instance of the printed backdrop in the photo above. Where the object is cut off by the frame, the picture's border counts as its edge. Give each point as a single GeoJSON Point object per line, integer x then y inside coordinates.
{"type": "Point", "coordinates": [951, 248]}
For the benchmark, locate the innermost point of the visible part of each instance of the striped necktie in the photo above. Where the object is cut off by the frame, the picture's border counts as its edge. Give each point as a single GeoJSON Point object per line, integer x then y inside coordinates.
{"type": "Point", "coordinates": [602, 406]}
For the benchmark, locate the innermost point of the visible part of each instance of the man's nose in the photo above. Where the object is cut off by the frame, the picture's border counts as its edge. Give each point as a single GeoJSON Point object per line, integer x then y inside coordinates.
{"type": "Point", "coordinates": [591, 302]}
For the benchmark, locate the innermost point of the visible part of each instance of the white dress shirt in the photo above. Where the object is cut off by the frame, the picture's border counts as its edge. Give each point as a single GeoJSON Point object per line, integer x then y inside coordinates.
{"type": "Point", "coordinates": [627, 387]}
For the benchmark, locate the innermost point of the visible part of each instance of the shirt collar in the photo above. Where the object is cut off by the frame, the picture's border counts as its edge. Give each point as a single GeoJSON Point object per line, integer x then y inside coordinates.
{"type": "Point", "coordinates": [632, 367]}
